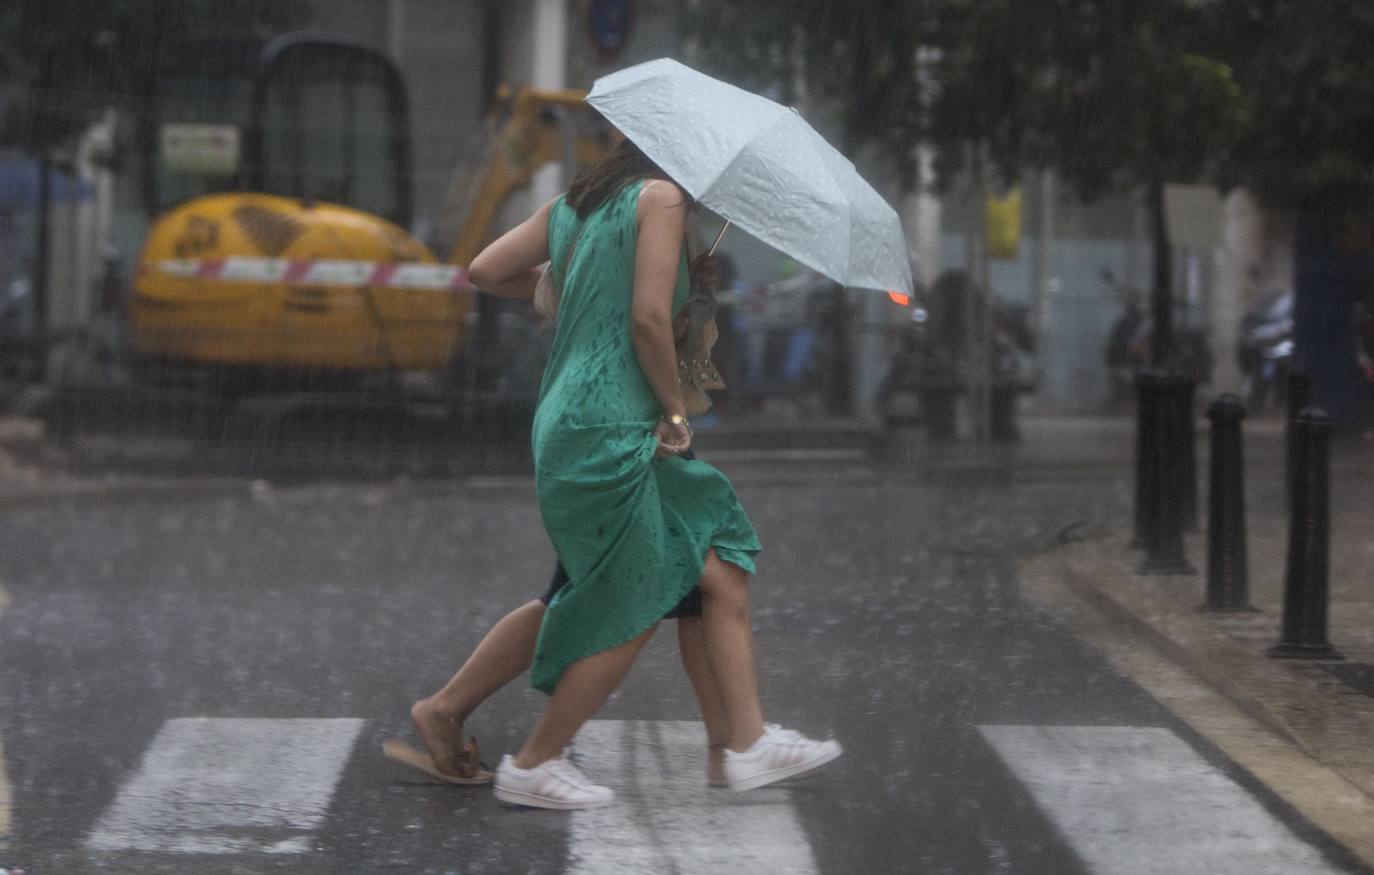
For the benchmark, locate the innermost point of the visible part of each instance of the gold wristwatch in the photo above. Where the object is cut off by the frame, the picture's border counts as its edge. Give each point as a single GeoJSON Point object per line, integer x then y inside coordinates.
{"type": "Point", "coordinates": [676, 419]}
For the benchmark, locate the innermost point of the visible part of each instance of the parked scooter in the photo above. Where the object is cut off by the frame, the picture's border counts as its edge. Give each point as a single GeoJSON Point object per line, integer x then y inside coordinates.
{"type": "Point", "coordinates": [1265, 350]}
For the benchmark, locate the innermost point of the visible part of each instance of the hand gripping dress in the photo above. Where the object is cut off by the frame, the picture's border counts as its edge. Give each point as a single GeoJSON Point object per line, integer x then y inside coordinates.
{"type": "Point", "coordinates": [631, 530]}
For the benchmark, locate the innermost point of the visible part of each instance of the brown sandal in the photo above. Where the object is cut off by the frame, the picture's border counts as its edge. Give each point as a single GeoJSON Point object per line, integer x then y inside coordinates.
{"type": "Point", "coordinates": [470, 764]}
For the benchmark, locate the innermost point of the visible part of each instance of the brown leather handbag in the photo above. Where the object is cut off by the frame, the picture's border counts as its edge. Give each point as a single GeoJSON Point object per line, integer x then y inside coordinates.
{"type": "Point", "coordinates": [694, 336]}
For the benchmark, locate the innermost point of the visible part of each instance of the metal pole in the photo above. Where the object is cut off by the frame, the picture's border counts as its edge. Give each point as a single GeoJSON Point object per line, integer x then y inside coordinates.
{"type": "Point", "coordinates": [1146, 421]}
{"type": "Point", "coordinates": [41, 262]}
{"type": "Point", "coordinates": [1187, 459]}
{"type": "Point", "coordinates": [1228, 584]}
{"type": "Point", "coordinates": [1303, 633]}
{"type": "Point", "coordinates": [1298, 394]}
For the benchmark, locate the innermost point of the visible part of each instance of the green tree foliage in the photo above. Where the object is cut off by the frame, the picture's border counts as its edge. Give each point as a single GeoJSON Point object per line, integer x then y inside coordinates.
{"type": "Point", "coordinates": [862, 57]}
{"type": "Point", "coordinates": [1110, 93]}
{"type": "Point", "coordinates": [63, 61]}
{"type": "Point", "coordinates": [1133, 96]}
{"type": "Point", "coordinates": [1307, 74]}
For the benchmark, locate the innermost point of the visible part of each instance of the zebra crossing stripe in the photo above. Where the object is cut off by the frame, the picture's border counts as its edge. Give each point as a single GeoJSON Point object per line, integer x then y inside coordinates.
{"type": "Point", "coordinates": [665, 818]}
{"type": "Point", "coordinates": [228, 786]}
{"type": "Point", "coordinates": [1136, 800]}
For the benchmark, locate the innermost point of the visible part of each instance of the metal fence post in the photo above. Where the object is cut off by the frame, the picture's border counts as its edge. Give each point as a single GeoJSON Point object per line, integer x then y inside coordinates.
{"type": "Point", "coordinates": [1187, 395]}
{"type": "Point", "coordinates": [1297, 395]}
{"type": "Point", "coordinates": [1146, 420]}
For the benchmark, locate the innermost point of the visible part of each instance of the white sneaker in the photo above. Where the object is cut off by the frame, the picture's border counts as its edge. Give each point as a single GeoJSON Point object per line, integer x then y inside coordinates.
{"type": "Point", "coordinates": [779, 754]}
{"type": "Point", "coordinates": [554, 783]}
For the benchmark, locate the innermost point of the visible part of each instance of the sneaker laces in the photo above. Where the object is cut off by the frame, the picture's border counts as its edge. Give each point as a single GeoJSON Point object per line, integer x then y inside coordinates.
{"type": "Point", "coordinates": [786, 736]}
{"type": "Point", "coordinates": [563, 769]}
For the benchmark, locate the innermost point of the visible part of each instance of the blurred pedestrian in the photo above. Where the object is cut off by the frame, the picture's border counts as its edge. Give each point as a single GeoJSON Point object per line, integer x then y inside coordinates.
{"type": "Point", "coordinates": [1363, 320]}
{"type": "Point", "coordinates": [635, 524]}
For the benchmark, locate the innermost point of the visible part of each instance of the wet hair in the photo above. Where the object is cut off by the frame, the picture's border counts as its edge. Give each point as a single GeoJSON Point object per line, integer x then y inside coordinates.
{"type": "Point", "coordinates": [623, 166]}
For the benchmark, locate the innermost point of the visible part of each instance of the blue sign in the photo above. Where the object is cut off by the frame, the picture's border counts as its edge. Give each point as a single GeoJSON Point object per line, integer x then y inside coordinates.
{"type": "Point", "coordinates": [609, 22]}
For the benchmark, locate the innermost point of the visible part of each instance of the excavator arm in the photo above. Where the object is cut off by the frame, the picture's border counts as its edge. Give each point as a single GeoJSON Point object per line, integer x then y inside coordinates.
{"type": "Point", "coordinates": [535, 134]}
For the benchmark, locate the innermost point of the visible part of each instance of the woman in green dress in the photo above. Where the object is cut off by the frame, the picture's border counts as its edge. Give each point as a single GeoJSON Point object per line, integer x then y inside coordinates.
{"type": "Point", "coordinates": [634, 523]}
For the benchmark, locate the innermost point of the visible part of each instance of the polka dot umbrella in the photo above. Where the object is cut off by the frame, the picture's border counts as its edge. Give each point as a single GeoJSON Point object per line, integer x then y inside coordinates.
{"type": "Point", "coordinates": [760, 166]}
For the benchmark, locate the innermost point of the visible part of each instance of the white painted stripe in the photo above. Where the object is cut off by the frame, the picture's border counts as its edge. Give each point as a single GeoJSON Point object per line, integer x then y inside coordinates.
{"type": "Point", "coordinates": [665, 818]}
{"type": "Point", "coordinates": [228, 786]}
{"type": "Point", "coordinates": [326, 272]}
{"type": "Point", "coordinates": [1136, 800]}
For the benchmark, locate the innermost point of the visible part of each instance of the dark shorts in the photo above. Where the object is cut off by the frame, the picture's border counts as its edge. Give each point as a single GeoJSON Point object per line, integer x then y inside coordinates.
{"type": "Point", "coordinates": [690, 606]}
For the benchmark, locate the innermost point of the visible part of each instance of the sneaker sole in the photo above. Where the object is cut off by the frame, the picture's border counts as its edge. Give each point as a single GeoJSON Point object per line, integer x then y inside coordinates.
{"type": "Point", "coordinates": [530, 800]}
{"type": "Point", "coordinates": [781, 774]}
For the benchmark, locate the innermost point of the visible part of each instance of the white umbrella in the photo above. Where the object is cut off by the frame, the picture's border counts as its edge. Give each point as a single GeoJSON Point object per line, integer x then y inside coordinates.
{"type": "Point", "coordinates": [760, 166]}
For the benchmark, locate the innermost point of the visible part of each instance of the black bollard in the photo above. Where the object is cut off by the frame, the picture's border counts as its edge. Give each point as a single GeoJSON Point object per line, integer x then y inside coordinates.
{"type": "Point", "coordinates": [1303, 634]}
{"type": "Point", "coordinates": [1228, 585]}
{"type": "Point", "coordinates": [1187, 459]}
{"type": "Point", "coordinates": [1146, 418]}
{"type": "Point", "coordinates": [1297, 395]}
{"type": "Point", "coordinates": [1164, 513]}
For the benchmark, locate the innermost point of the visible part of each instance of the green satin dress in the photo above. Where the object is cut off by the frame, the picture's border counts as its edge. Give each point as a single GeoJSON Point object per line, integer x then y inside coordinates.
{"type": "Point", "coordinates": [632, 531]}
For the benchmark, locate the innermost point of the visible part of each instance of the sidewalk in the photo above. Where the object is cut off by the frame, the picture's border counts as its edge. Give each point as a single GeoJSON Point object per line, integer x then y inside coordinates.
{"type": "Point", "coordinates": [32, 471]}
{"type": "Point", "coordinates": [1303, 728]}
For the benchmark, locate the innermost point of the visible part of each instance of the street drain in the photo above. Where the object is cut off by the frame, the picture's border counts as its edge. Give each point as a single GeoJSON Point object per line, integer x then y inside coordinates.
{"type": "Point", "coordinates": [1356, 675]}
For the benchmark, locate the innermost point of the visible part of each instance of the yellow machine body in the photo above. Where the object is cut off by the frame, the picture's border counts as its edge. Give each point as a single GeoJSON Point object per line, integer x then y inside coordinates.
{"type": "Point", "coordinates": [288, 326]}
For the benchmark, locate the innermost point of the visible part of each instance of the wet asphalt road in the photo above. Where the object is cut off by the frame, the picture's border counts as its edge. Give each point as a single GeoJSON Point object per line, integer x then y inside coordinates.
{"type": "Point", "coordinates": [887, 617]}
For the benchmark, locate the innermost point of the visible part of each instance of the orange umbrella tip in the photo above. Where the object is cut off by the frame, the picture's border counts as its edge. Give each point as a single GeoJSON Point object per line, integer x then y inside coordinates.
{"type": "Point", "coordinates": [899, 298]}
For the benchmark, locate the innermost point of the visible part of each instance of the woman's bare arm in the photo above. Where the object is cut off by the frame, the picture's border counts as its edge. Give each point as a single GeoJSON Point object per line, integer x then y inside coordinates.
{"type": "Point", "coordinates": [662, 216]}
{"type": "Point", "coordinates": [509, 267]}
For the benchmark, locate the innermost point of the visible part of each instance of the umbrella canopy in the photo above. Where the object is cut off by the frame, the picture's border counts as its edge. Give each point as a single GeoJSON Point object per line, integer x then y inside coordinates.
{"type": "Point", "coordinates": [759, 165]}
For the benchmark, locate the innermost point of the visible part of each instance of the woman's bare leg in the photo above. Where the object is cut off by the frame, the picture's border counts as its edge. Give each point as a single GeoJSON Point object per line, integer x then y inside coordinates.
{"type": "Point", "coordinates": [501, 657]}
{"type": "Point", "coordinates": [691, 639]}
{"type": "Point", "coordinates": [729, 640]}
{"type": "Point", "coordinates": [583, 689]}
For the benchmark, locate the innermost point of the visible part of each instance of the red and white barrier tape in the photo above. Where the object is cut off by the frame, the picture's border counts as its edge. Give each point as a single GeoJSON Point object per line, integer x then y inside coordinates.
{"type": "Point", "coordinates": [322, 272]}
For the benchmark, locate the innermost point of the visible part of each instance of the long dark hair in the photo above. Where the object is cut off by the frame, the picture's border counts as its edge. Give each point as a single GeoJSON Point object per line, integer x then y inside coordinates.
{"type": "Point", "coordinates": [623, 166]}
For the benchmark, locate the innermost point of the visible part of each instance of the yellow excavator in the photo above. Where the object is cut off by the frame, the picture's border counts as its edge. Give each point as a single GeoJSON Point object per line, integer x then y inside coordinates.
{"type": "Point", "coordinates": [271, 159]}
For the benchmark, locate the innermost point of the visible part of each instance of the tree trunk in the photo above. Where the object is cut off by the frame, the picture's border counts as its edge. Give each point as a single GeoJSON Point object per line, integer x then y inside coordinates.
{"type": "Point", "coordinates": [978, 319]}
{"type": "Point", "coordinates": [839, 394]}
{"type": "Point", "coordinates": [1162, 295]}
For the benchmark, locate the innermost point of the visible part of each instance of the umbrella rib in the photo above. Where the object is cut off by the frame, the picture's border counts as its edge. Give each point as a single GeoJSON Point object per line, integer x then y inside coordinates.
{"type": "Point", "coordinates": [706, 189]}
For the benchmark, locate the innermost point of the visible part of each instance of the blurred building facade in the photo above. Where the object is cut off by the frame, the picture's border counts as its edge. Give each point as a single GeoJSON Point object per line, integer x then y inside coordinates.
{"type": "Point", "coordinates": [452, 54]}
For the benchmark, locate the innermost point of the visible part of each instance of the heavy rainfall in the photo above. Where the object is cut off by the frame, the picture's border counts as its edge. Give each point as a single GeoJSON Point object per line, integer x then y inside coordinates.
{"type": "Point", "coordinates": [444, 436]}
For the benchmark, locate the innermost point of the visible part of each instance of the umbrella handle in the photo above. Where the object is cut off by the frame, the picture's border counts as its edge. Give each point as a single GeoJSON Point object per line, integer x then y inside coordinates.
{"type": "Point", "coordinates": [723, 229]}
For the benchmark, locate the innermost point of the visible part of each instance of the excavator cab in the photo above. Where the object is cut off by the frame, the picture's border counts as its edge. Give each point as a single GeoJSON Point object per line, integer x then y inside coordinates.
{"type": "Point", "coordinates": [279, 181]}
{"type": "Point", "coordinates": [298, 153]}
{"type": "Point", "coordinates": [308, 116]}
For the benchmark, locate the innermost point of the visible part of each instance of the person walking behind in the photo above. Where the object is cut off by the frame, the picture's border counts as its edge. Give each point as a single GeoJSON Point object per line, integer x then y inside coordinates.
{"type": "Point", "coordinates": [505, 653]}
{"type": "Point", "coordinates": [634, 523]}
{"type": "Point", "coordinates": [507, 650]}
